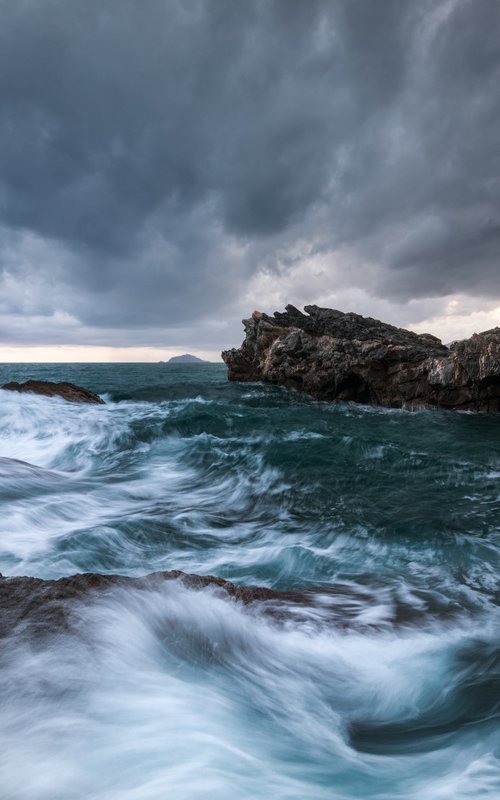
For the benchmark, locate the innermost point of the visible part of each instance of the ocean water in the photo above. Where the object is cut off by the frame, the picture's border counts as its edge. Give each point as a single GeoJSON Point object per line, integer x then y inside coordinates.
{"type": "Point", "coordinates": [386, 684]}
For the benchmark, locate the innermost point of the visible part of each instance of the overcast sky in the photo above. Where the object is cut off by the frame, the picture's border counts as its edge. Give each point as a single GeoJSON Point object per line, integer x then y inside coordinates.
{"type": "Point", "coordinates": [166, 166]}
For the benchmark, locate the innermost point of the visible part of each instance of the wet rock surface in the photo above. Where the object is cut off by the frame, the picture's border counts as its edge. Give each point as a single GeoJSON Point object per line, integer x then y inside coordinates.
{"type": "Point", "coordinates": [68, 391]}
{"type": "Point", "coordinates": [34, 607]}
{"type": "Point", "coordinates": [46, 605]}
{"type": "Point", "coordinates": [346, 357]}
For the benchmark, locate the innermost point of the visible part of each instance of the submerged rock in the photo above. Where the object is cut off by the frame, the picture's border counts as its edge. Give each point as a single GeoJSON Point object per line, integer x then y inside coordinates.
{"type": "Point", "coordinates": [46, 605]}
{"type": "Point", "coordinates": [339, 357]}
{"type": "Point", "coordinates": [35, 607]}
{"type": "Point", "coordinates": [68, 391]}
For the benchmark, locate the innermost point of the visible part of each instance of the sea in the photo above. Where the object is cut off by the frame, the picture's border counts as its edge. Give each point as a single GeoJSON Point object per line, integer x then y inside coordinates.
{"type": "Point", "coordinates": [383, 683]}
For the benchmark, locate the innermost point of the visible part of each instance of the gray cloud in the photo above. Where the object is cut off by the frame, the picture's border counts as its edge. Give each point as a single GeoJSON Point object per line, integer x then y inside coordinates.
{"type": "Point", "coordinates": [155, 155]}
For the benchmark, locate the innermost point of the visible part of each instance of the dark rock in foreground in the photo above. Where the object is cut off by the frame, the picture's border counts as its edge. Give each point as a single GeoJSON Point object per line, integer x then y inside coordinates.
{"type": "Point", "coordinates": [68, 391]}
{"type": "Point", "coordinates": [34, 607]}
{"type": "Point", "coordinates": [340, 357]}
{"type": "Point", "coordinates": [45, 605]}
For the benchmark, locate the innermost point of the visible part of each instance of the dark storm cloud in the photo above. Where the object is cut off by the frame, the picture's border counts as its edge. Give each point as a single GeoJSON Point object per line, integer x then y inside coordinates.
{"type": "Point", "coordinates": [151, 152]}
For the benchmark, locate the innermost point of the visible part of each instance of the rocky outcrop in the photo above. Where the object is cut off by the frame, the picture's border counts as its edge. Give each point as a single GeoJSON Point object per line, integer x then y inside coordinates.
{"type": "Point", "coordinates": [68, 391]}
{"type": "Point", "coordinates": [36, 608]}
{"type": "Point", "coordinates": [339, 357]}
{"type": "Point", "coordinates": [46, 606]}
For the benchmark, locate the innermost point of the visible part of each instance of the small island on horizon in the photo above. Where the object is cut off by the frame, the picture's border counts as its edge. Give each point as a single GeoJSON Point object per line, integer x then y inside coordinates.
{"type": "Point", "coordinates": [186, 358]}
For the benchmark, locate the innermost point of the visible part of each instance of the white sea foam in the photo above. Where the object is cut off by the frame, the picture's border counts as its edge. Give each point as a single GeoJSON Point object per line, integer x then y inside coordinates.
{"type": "Point", "coordinates": [364, 691]}
{"type": "Point", "coordinates": [186, 693]}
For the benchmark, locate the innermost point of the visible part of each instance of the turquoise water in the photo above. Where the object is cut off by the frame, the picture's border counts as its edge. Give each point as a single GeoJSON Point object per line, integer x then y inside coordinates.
{"type": "Point", "coordinates": [387, 685]}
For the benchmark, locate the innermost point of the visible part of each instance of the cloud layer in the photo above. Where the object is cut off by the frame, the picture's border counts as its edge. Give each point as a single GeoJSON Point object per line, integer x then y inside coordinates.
{"type": "Point", "coordinates": [160, 161]}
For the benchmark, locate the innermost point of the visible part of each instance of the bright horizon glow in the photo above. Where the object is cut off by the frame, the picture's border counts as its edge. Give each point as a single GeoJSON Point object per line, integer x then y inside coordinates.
{"type": "Point", "coordinates": [459, 321]}
{"type": "Point", "coordinates": [73, 354]}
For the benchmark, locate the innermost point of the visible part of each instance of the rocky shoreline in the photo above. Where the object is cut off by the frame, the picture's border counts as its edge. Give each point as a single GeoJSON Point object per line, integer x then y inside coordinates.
{"type": "Point", "coordinates": [338, 357]}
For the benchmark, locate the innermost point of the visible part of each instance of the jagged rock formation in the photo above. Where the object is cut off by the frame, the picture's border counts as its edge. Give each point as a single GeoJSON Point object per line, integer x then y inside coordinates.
{"type": "Point", "coordinates": [68, 391]}
{"type": "Point", "coordinates": [339, 357]}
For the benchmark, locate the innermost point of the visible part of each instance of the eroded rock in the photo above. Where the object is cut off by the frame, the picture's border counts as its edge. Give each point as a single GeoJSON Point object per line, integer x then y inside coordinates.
{"type": "Point", "coordinates": [346, 357]}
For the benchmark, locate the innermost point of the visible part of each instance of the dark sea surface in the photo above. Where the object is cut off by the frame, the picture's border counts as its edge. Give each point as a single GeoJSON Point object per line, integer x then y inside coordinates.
{"type": "Point", "coordinates": [385, 684]}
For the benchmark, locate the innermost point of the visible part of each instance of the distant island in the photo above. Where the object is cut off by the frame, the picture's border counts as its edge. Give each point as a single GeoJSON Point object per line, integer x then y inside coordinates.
{"type": "Point", "coordinates": [187, 358]}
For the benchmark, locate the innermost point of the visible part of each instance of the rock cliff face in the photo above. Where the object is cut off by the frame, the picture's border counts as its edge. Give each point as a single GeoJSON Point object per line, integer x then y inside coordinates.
{"type": "Point", "coordinates": [339, 357]}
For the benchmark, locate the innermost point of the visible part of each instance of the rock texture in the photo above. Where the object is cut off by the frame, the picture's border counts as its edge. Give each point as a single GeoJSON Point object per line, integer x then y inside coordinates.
{"type": "Point", "coordinates": [68, 391]}
{"type": "Point", "coordinates": [46, 606]}
{"type": "Point", "coordinates": [339, 357]}
{"type": "Point", "coordinates": [36, 608]}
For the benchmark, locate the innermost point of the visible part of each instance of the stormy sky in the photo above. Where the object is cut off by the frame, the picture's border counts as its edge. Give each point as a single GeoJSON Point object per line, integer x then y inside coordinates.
{"type": "Point", "coordinates": [166, 166]}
